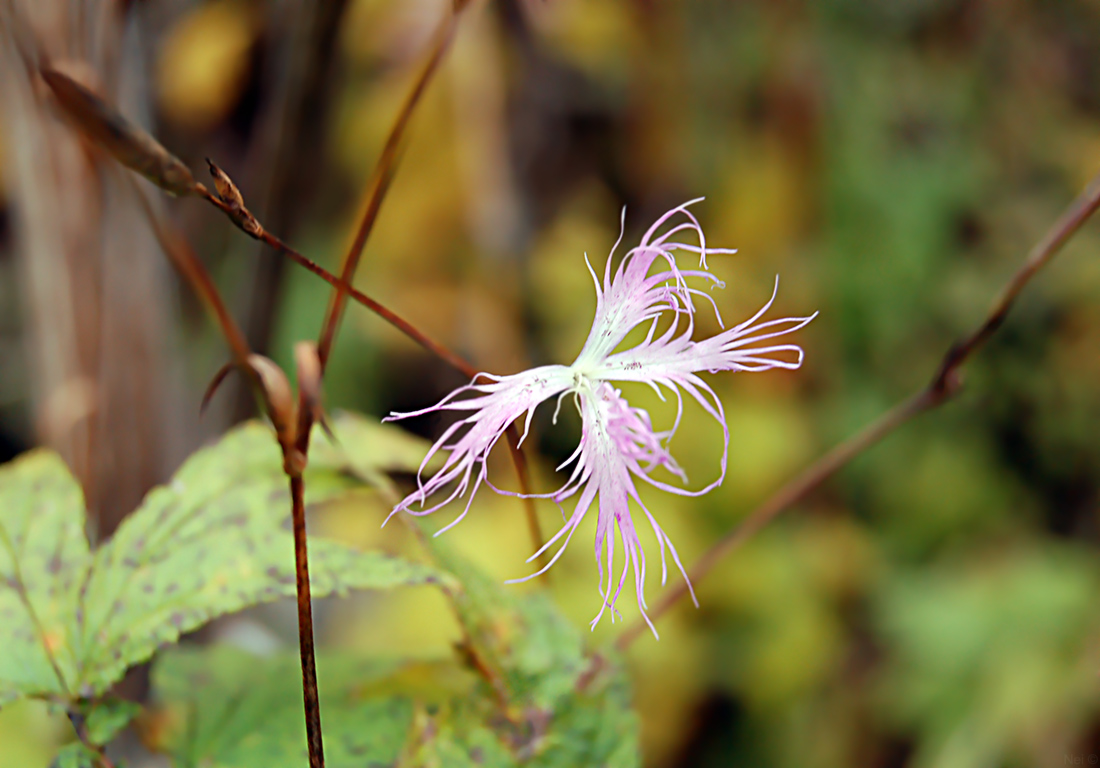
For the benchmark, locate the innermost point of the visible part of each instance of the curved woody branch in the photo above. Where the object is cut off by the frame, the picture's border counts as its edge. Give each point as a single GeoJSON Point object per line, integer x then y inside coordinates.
{"type": "Point", "coordinates": [945, 384]}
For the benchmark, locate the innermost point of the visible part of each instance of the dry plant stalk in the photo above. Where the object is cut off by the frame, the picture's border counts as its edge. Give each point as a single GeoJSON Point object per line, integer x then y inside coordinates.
{"type": "Point", "coordinates": [378, 186]}
{"type": "Point", "coordinates": [135, 149]}
{"type": "Point", "coordinates": [256, 230]}
{"type": "Point", "coordinates": [125, 141]}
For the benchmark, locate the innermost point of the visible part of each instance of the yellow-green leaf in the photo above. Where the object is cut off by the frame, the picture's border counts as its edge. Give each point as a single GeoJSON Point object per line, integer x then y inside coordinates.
{"type": "Point", "coordinates": [43, 564]}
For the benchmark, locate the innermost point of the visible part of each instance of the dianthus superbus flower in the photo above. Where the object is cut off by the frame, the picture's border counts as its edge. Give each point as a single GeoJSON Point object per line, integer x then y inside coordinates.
{"type": "Point", "coordinates": [618, 443]}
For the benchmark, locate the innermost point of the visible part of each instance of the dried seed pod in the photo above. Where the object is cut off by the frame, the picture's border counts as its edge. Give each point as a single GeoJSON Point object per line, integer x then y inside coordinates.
{"type": "Point", "coordinates": [125, 141]}
{"type": "Point", "coordinates": [279, 396]}
{"type": "Point", "coordinates": [227, 190]}
{"type": "Point", "coordinates": [309, 385]}
{"type": "Point", "coordinates": [233, 202]}
{"type": "Point", "coordinates": [309, 375]}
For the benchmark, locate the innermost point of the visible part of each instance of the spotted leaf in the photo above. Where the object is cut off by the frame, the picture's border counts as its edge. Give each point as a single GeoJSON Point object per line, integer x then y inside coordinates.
{"type": "Point", "coordinates": [214, 540]}
{"type": "Point", "coordinates": [44, 561]}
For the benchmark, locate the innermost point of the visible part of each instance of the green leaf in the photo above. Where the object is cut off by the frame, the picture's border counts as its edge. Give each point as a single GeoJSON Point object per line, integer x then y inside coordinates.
{"type": "Point", "coordinates": [521, 692]}
{"type": "Point", "coordinates": [521, 637]}
{"type": "Point", "coordinates": [530, 655]}
{"type": "Point", "coordinates": [596, 727]}
{"type": "Point", "coordinates": [226, 707]}
{"type": "Point", "coordinates": [211, 542]}
{"type": "Point", "coordinates": [76, 755]}
{"type": "Point", "coordinates": [985, 653]}
{"type": "Point", "coordinates": [108, 717]}
{"type": "Point", "coordinates": [456, 738]}
{"type": "Point", "coordinates": [43, 562]}
{"type": "Point", "coordinates": [214, 540]}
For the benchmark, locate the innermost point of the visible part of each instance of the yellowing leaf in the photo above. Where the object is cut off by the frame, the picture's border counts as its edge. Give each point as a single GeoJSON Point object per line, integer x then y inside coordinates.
{"type": "Point", "coordinates": [223, 707]}
{"type": "Point", "coordinates": [43, 563]}
{"type": "Point", "coordinates": [204, 62]}
{"type": "Point", "coordinates": [212, 541]}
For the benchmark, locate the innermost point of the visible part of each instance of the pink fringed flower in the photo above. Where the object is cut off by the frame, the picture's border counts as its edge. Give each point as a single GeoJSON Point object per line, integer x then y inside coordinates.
{"type": "Point", "coordinates": [618, 443]}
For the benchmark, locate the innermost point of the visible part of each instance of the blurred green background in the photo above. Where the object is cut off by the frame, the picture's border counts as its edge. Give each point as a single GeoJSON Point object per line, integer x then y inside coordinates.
{"type": "Point", "coordinates": [936, 603]}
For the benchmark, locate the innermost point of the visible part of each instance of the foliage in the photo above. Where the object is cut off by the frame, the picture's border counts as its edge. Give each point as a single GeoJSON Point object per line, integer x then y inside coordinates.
{"type": "Point", "coordinates": [223, 706]}
{"type": "Point", "coordinates": [210, 542]}
{"type": "Point", "coordinates": [512, 696]}
{"type": "Point", "coordinates": [76, 755]}
{"type": "Point", "coordinates": [990, 661]}
{"type": "Point", "coordinates": [521, 690]}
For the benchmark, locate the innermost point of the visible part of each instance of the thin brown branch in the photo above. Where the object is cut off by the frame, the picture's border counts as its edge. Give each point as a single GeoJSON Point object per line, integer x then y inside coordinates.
{"type": "Point", "coordinates": [391, 317]}
{"type": "Point", "coordinates": [195, 273]}
{"type": "Point", "coordinates": [381, 178]}
{"type": "Point", "coordinates": [189, 266]}
{"type": "Point", "coordinates": [1041, 253]}
{"type": "Point", "coordinates": [944, 386]}
{"type": "Point", "coordinates": [534, 529]}
{"type": "Point", "coordinates": [378, 187]}
{"type": "Point", "coordinates": [248, 224]}
{"type": "Point", "coordinates": [283, 160]}
{"type": "Point", "coordinates": [233, 207]}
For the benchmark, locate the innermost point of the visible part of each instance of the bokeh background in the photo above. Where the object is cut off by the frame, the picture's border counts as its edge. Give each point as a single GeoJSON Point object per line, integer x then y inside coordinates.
{"type": "Point", "coordinates": [935, 604]}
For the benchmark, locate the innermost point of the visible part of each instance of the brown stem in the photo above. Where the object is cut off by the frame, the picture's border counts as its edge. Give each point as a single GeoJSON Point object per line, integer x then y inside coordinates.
{"type": "Point", "coordinates": [380, 181]}
{"type": "Point", "coordinates": [189, 266]}
{"type": "Point", "coordinates": [519, 459]}
{"type": "Point", "coordinates": [944, 385]}
{"type": "Point", "coordinates": [195, 273]}
{"type": "Point", "coordinates": [379, 185]}
{"type": "Point", "coordinates": [310, 697]}
{"type": "Point", "coordinates": [1041, 253]}
{"type": "Point", "coordinates": [428, 343]}
{"type": "Point", "coordinates": [374, 306]}
{"type": "Point", "coordinates": [289, 134]}
{"type": "Point", "coordinates": [260, 232]}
